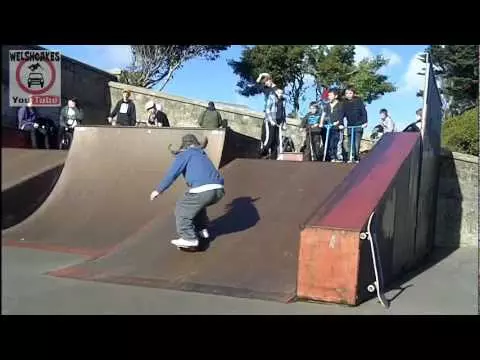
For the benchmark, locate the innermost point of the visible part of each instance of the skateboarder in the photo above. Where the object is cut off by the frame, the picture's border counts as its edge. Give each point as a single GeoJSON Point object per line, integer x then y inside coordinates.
{"type": "Point", "coordinates": [206, 187]}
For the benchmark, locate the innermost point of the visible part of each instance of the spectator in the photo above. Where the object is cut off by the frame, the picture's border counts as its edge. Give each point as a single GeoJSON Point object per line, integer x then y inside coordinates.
{"type": "Point", "coordinates": [156, 117]}
{"type": "Point", "coordinates": [274, 108]}
{"type": "Point", "coordinates": [71, 115]}
{"type": "Point", "coordinates": [334, 115]}
{"type": "Point", "coordinates": [356, 115]}
{"type": "Point", "coordinates": [125, 109]}
{"type": "Point", "coordinates": [313, 141]}
{"type": "Point", "coordinates": [206, 187]}
{"type": "Point", "coordinates": [386, 121]}
{"type": "Point", "coordinates": [417, 125]}
{"type": "Point", "coordinates": [27, 120]}
{"type": "Point", "coordinates": [210, 118]}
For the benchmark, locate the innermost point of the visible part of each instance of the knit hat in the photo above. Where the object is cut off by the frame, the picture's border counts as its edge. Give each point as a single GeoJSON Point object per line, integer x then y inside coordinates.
{"type": "Point", "coordinates": [188, 140]}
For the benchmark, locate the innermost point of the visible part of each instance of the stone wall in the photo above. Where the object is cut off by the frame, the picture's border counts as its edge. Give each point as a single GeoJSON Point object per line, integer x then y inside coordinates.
{"type": "Point", "coordinates": [183, 112]}
{"type": "Point", "coordinates": [457, 208]}
{"type": "Point", "coordinates": [88, 84]}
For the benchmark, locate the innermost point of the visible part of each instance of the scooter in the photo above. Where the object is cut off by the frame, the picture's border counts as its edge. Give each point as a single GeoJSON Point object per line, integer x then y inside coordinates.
{"type": "Point", "coordinates": [67, 135]}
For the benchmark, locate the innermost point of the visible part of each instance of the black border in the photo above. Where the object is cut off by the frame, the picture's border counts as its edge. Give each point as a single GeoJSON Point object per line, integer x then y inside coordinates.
{"type": "Point", "coordinates": [358, 22]}
{"type": "Point", "coordinates": [337, 336]}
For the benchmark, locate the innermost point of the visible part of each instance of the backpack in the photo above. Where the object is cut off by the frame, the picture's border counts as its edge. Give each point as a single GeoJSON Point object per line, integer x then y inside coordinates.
{"type": "Point", "coordinates": [280, 116]}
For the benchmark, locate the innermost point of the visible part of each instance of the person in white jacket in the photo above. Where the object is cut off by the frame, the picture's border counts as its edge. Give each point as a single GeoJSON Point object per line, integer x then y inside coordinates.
{"type": "Point", "coordinates": [386, 121]}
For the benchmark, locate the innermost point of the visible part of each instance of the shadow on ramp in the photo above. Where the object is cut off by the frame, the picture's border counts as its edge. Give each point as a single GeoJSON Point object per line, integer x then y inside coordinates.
{"type": "Point", "coordinates": [21, 200]}
{"type": "Point", "coordinates": [256, 225]}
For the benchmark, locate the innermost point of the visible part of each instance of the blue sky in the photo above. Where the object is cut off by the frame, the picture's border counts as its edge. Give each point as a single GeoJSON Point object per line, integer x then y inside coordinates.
{"type": "Point", "coordinates": [203, 80]}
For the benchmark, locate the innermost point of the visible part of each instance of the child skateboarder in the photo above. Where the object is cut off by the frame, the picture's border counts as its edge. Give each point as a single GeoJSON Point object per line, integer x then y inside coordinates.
{"type": "Point", "coordinates": [206, 187]}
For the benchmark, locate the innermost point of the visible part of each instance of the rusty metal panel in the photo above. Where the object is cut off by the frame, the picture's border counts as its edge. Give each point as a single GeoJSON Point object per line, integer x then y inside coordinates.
{"type": "Point", "coordinates": [328, 265]}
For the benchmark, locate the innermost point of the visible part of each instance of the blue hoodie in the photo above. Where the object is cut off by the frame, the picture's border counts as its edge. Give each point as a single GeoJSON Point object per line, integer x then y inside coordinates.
{"type": "Point", "coordinates": [195, 166]}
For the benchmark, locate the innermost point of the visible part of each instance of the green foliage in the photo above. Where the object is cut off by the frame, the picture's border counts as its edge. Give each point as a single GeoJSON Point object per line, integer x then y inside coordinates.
{"type": "Point", "coordinates": [155, 64]}
{"type": "Point", "coordinates": [289, 66]}
{"type": "Point", "coordinates": [286, 63]}
{"type": "Point", "coordinates": [457, 66]}
{"type": "Point", "coordinates": [460, 133]}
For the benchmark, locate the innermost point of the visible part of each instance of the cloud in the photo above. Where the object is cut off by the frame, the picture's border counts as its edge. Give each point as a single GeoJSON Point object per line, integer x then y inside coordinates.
{"type": "Point", "coordinates": [362, 52]}
{"type": "Point", "coordinates": [412, 82]}
{"type": "Point", "coordinates": [394, 58]}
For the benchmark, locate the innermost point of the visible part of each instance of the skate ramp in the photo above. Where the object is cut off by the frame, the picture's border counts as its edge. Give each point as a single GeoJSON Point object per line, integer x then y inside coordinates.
{"type": "Point", "coordinates": [102, 195]}
{"type": "Point", "coordinates": [255, 230]}
{"type": "Point", "coordinates": [28, 177]}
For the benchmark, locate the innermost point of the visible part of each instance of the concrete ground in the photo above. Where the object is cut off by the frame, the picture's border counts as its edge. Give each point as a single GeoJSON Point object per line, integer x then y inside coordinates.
{"type": "Point", "coordinates": [448, 287]}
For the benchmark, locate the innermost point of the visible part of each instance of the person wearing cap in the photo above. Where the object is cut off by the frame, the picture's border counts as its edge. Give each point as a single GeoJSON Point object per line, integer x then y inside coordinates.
{"type": "Point", "coordinates": [71, 115]}
{"type": "Point", "coordinates": [206, 187]}
{"type": "Point", "coordinates": [124, 110]}
{"type": "Point", "coordinates": [156, 117]}
{"type": "Point", "coordinates": [210, 118]}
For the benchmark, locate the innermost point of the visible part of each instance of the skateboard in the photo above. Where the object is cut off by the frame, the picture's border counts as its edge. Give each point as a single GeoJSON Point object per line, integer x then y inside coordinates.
{"type": "Point", "coordinates": [377, 285]}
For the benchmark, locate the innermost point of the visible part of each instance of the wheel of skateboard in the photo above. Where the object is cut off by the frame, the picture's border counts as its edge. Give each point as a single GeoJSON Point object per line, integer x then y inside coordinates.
{"type": "Point", "coordinates": [363, 236]}
{"type": "Point", "coordinates": [371, 288]}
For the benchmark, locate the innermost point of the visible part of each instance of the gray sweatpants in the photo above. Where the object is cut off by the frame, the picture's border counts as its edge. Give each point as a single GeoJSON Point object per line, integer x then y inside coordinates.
{"type": "Point", "coordinates": [191, 212]}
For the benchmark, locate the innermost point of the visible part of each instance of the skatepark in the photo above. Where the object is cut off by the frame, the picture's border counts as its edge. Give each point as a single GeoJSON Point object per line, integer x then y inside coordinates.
{"type": "Point", "coordinates": [97, 230]}
{"type": "Point", "coordinates": [289, 237]}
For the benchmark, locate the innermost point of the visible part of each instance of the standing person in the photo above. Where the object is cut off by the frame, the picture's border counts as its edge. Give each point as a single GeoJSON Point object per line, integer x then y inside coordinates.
{"type": "Point", "coordinates": [27, 120]}
{"type": "Point", "coordinates": [156, 117]}
{"type": "Point", "coordinates": [356, 115]}
{"type": "Point", "coordinates": [334, 114]}
{"type": "Point", "coordinates": [71, 115]}
{"type": "Point", "coordinates": [210, 118]}
{"type": "Point", "coordinates": [270, 130]}
{"type": "Point", "coordinates": [206, 187]}
{"type": "Point", "coordinates": [417, 125]}
{"type": "Point", "coordinates": [386, 121]}
{"type": "Point", "coordinates": [125, 109]}
{"type": "Point", "coordinates": [313, 142]}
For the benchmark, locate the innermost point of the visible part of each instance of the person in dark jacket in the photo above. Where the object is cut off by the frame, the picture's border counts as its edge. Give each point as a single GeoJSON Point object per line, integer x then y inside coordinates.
{"type": "Point", "coordinates": [27, 121]}
{"type": "Point", "coordinates": [334, 114]}
{"type": "Point", "coordinates": [125, 109]}
{"type": "Point", "coordinates": [313, 141]}
{"type": "Point", "coordinates": [356, 115]}
{"type": "Point", "coordinates": [417, 125]}
{"type": "Point", "coordinates": [210, 118]}
{"type": "Point", "coordinates": [156, 117]}
{"type": "Point", "coordinates": [206, 187]}
{"type": "Point", "coordinates": [71, 115]}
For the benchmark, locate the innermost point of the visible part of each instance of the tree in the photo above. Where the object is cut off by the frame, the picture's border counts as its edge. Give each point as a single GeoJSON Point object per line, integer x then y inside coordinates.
{"type": "Point", "coordinates": [457, 68]}
{"type": "Point", "coordinates": [156, 64]}
{"type": "Point", "coordinates": [460, 133]}
{"type": "Point", "coordinates": [336, 65]}
{"type": "Point", "coordinates": [286, 63]}
{"type": "Point", "coordinates": [291, 65]}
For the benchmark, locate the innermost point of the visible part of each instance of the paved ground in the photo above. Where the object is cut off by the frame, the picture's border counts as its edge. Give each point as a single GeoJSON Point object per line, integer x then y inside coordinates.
{"type": "Point", "coordinates": [448, 287]}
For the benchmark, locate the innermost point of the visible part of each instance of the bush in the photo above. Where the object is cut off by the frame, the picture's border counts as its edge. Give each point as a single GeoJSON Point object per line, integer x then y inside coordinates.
{"type": "Point", "coordinates": [460, 133]}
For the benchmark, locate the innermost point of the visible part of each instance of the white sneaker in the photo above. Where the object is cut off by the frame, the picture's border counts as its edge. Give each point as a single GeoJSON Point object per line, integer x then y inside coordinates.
{"type": "Point", "coordinates": [184, 243]}
{"type": "Point", "coordinates": [204, 233]}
